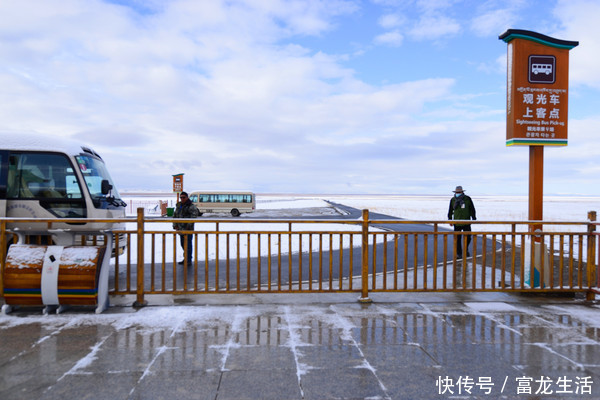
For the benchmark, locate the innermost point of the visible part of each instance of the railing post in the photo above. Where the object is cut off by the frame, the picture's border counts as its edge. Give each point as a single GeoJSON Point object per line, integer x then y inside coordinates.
{"type": "Point", "coordinates": [364, 297]}
{"type": "Point", "coordinates": [140, 302]}
{"type": "Point", "coordinates": [591, 254]}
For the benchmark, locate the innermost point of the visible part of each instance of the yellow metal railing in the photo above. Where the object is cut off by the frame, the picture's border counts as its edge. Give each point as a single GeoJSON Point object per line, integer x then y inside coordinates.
{"type": "Point", "coordinates": [364, 256]}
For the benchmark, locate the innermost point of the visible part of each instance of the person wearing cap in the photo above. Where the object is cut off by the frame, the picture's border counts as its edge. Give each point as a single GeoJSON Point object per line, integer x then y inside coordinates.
{"type": "Point", "coordinates": [461, 207]}
{"type": "Point", "coordinates": [185, 209]}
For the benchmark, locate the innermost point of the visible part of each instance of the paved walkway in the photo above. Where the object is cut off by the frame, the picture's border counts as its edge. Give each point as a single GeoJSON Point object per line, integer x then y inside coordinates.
{"type": "Point", "coordinates": [402, 346]}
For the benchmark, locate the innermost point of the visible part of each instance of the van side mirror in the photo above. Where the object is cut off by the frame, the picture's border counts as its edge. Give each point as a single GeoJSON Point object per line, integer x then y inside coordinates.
{"type": "Point", "coordinates": [106, 187]}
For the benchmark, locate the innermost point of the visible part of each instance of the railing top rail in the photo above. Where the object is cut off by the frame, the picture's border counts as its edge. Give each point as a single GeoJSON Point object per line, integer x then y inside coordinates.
{"type": "Point", "coordinates": [357, 232]}
{"type": "Point", "coordinates": [265, 232]}
{"type": "Point", "coordinates": [67, 220]}
{"type": "Point", "coordinates": [258, 221]}
{"type": "Point", "coordinates": [479, 222]}
{"type": "Point", "coordinates": [287, 221]}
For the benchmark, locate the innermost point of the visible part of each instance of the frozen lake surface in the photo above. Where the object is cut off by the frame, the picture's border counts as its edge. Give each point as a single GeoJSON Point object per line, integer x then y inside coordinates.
{"type": "Point", "coordinates": [410, 207]}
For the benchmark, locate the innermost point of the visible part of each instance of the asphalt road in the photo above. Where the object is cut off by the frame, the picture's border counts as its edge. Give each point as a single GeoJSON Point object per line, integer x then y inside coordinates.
{"type": "Point", "coordinates": [286, 271]}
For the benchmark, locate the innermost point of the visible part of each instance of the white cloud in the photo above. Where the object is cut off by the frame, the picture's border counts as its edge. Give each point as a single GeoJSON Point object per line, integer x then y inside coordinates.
{"type": "Point", "coordinates": [431, 27]}
{"type": "Point", "coordinates": [579, 22]}
{"type": "Point", "coordinates": [492, 22]}
{"type": "Point", "coordinates": [256, 94]}
{"type": "Point", "coordinates": [391, 21]}
{"type": "Point", "coordinates": [423, 20]}
{"type": "Point", "coordinates": [195, 82]}
{"type": "Point", "coordinates": [393, 38]}
{"type": "Point", "coordinates": [434, 6]}
{"type": "Point", "coordinates": [496, 16]}
{"type": "Point", "coordinates": [497, 66]}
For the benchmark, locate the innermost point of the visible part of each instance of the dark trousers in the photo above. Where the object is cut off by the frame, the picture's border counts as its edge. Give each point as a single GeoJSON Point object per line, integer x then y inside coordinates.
{"type": "Point", "coordinates": [182, 240]}
{"type": "Point", "coordinates": [458, 239]}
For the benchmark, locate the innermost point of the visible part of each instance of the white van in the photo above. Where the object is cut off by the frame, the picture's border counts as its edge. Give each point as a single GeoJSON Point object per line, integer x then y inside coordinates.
{"type": "Point", "coordinates": [42, 178]}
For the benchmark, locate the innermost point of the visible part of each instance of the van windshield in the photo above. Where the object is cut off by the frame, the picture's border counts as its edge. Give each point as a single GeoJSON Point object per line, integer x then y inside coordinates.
{"type": "Point", "coordinates": [94, 172]}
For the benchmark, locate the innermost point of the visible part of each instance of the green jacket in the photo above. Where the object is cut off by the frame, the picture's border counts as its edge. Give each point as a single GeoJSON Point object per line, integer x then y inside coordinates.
{"type": "Point", "coordinates": [461, 207]}
{"type": "Point", "coordinates": [185, 210]}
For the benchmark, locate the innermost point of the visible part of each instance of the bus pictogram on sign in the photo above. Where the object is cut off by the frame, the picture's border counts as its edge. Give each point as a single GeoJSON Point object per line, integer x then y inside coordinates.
{"type": "Point", "coordinates": [542, 69]}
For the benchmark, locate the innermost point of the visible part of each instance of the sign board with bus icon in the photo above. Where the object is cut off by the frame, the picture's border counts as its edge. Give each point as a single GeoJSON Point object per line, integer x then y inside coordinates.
{"type": "Point", "coordinates": [542, 69]}
{"type": "Point", "coordinates": [537, 89]}
{"type": "Point", "coordinates": [178, 183]}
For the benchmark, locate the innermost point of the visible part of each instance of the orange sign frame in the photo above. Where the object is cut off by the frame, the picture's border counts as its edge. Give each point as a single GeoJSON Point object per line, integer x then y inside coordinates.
{"type": "Point", "coordinates": [538, 88]}
{"type": "Point", "coordinates": [178, 183]}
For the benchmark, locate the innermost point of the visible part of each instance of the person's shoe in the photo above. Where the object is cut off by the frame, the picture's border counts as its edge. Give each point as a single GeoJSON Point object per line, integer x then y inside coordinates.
{"type": "Point", "coordinates": [181, 262]}
{"type": "Point", "coordinates": [468, 254]}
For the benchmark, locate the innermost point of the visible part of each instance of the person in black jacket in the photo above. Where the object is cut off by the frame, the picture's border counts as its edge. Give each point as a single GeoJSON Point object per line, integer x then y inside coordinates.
{"type": "Point", "coordinates": [461, 207]}
{"type": "Point", "coordinates": [185, 209]}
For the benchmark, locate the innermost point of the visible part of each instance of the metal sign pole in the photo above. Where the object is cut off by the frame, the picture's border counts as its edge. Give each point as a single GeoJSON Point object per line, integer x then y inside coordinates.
{"type": "Point", "coordinates": [536, 186]}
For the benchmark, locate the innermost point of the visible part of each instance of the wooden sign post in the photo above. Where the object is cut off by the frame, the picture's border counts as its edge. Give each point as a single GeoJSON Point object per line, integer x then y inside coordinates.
{"type": "Point", "coordinates": [178, 184]}
{"type": "Point", "coordinates": [537, 103]}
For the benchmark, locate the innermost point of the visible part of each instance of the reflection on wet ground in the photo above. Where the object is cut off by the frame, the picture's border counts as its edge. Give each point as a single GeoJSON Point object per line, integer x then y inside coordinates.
{"type": "Point", "coordinates": [384, 350]}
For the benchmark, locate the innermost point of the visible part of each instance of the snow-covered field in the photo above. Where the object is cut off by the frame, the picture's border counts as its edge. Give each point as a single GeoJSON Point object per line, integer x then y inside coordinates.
{"type": "Point", "coordinates": [489, 208]}
{"type": "Point", "coordinates": [278, 207]}
{"type": "Point", "coordinates": [421, 208]}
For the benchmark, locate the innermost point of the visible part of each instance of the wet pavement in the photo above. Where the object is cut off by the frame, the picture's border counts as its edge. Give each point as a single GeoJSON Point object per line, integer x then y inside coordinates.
{"type": "Point", "coordinates": [317, 346]}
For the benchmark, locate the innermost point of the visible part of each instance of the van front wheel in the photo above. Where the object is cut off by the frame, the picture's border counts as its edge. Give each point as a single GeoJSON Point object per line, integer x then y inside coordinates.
{"type": "Point", "coordinates": [235, 212]}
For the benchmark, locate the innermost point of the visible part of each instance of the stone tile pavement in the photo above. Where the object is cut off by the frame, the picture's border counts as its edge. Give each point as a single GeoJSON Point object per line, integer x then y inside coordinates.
{"type": "Point", "coordinates": [401, 346]}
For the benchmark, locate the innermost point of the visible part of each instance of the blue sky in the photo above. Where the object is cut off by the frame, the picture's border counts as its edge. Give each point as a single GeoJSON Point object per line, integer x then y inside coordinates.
{"type": "Point", "coordinates": [337, 96]}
